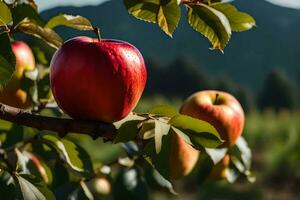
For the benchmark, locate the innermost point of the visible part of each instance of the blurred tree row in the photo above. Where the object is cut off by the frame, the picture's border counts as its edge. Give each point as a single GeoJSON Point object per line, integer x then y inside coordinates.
{"type": "Point", "coordinates": [181, 77]}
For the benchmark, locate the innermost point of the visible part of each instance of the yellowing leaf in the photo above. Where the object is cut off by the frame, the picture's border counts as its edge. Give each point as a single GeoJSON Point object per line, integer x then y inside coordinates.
{"type": "Point", "coordinates": [168, 17]}
{"type": "Point", "coordinates": [47, 34]}
{"type": "Point", "coordinates": [211, 23]}
{"type": "Point", "coordinates": [76, 22]}
{"type": "Point", "coordinates": [239, 21]}
{"type": "Point", "coordinates": [5, 14]}
{"type": "Point", "coordinates": [143, 9]}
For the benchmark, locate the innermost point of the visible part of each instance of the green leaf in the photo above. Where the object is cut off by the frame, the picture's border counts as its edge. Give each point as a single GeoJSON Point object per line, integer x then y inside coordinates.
{"type": "Point", "coordinates": [211, 23]}
{"type": "Point", "coordinates": [31, 164]}
{"type": "Point", "coordinates": [166, 13]}
{"type": "Point", "coordinates": [130, 184]}
{"type": "Point", "coordinates": [127, 131]}
{"type": "Point", "coordinates": [131, 149]}
{"type": "Point", "coordinates": [6, 71]}
{"type": "Point", "coordinates": [241, 159]}
{"type": "Point", "coordinates": [86, 190]}
{"type": "Point", "coordinates": [26, 11]}
{"type": "Point", "coordinates": [5, 14]}
{"type": "Point", "coordinates": [143, 9]}
{"type": "Point", "coordinates": [154, 128]}
{"type": "Point", "coordinates": [216, 155]}
{"type": "Point", "coordinates": [74, 155]}
{"type": "Point", "coordinates": [154, 179]}
{"type": "Point", "coordinates": [44, 90]}
{"type": "Point", "coordinates": [163, 182]}
{"type": "Point", "coordinates": [32, 4]}
{"type": "Point", "coordinates": [61, 175]}
{"type": "Point", "coordinates": [164, 110]}
{"type": "Point", "coordinates": [232, 174]}
{"type": "Point", "coordinates": [168, 16]}
{"type": "Point", "coordinates": [78, 158]}
{"type": "Point", "coordinates": [127, 128]}
{"type": "Point", "coordinates": [245, 151]}
{"type": "Point", "coordinates": [5, 48]}
{"type": "Point", "coordinates": [47, 34]}
{"type": "Point", "coordinates": [14, 135]}
{"type": "Point", "coordinates": [197, 132]}
{"type": "Point", "coordinates": [130, 117]}
{"type": "Point", "coordinates": [76, 22]}
{"type": "Point", "coordinates": [40, 55]}
{"type": "Point", "coordinates": [205, 165]}
{"type": "Point", "coordinates": [239, 21]}
{"type": "Point", "coordinates": [238, 164]}
{"type": "Point", "coordinates": [7, 187]}
{"type": "Point", "coordinates": [160, 161]}
{"type": "Point", "coordinates": [161, 129]}
{"type": "Point", "coordinates": [32, 188]}
{"type": "Point", "coordinates": [29, 84]}
{"type": "Point", "coordinates": [7, 60]}
{"type": "Point", "coordinates": [147, 130]}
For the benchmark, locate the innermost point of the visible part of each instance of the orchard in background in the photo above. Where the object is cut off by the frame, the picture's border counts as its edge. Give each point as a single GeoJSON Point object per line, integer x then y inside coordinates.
{"type": "Point", "coordinates": [99, 82]}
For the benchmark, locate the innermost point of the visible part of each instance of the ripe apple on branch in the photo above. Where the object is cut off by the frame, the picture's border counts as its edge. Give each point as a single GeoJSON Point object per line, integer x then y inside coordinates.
{"type": "Point", "coordinates": [110, 76]}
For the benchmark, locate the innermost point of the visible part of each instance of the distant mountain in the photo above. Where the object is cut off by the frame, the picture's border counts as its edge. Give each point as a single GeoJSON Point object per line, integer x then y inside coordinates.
{"type": "Point", "coordinates": [250, 56]}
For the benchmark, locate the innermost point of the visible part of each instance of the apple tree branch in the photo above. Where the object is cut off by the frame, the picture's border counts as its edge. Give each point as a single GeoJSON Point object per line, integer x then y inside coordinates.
{"type": "Point", "coordinates": [62, 126]}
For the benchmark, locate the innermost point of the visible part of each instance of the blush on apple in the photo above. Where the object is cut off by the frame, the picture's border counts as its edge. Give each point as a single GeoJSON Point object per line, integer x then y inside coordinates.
{"type": "Point", "coordinates": [97, 79]}
{"type": "Point", "coordinates": [184, 158]}
{"type": "Point", "coordinates": [220, 109]}
{"type": "Point", "coordinates": [12, 94]}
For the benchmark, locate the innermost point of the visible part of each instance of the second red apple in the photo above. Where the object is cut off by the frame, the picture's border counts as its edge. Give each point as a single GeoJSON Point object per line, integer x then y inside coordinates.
{"type": "Point", "coordinates": [220, 109]}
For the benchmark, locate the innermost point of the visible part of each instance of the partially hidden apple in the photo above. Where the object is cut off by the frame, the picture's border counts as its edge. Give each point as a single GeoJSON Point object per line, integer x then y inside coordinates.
{"type": "Point", "coordinates": [39, 167]}
{"type": "Point", "coordinates": [183, 158]}
{"type": "Point", "coordinates": [12, 94]}
{"type": "Point", "coordinates": [97, 79]}
{"type": "Point", "coordinates": [220, 109]}
{"type": "Point", "coordinates": [100, 186]}
{"type": "Point", "coordinates": [220, 170]}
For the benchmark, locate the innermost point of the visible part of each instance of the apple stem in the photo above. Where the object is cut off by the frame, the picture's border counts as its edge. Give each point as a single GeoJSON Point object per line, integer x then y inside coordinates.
{"type": "Point", "coordinates": [97, 32]}
{"type": "Point", "coordinates": [216, 100]}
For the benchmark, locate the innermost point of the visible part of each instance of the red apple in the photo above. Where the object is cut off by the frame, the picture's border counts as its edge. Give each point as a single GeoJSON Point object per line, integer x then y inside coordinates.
{"type": "Point", "coordinates": [39, 167]}
{"type": "Point", "coordinates": [220, 109]}
{"type": "Point", "coordinates": [24, 58]}
{"type": "Point", "coordinates": [100, 186]}
{"type": "Point", "coordinates": [220, 170]}
{"type": "Point", "coordinates": [184, 158]}
{"type": "Point", "coordinates": [97, 80]}
{"type": "Point", "coordinates": [12, 94]}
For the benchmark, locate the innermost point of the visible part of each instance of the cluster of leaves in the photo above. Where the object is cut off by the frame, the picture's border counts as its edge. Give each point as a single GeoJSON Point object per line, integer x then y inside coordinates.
{"type": "Point", "coordinates": [212, 18]}
{"type": "Point", "coordinates": [43, 166]}
{"type": "Point", "coordinates": [154, 132]}
{"type": "Point", "coordinates": [156, 129]}
{"type": "Point", "coordinates": [40, 165]}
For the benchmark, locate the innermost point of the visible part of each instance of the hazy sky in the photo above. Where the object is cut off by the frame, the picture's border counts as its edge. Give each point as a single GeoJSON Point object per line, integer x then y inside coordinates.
{"type": "Point", "coordinates": [287, 3]}
{"type": "Point", "coordinates": [45, 4]}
